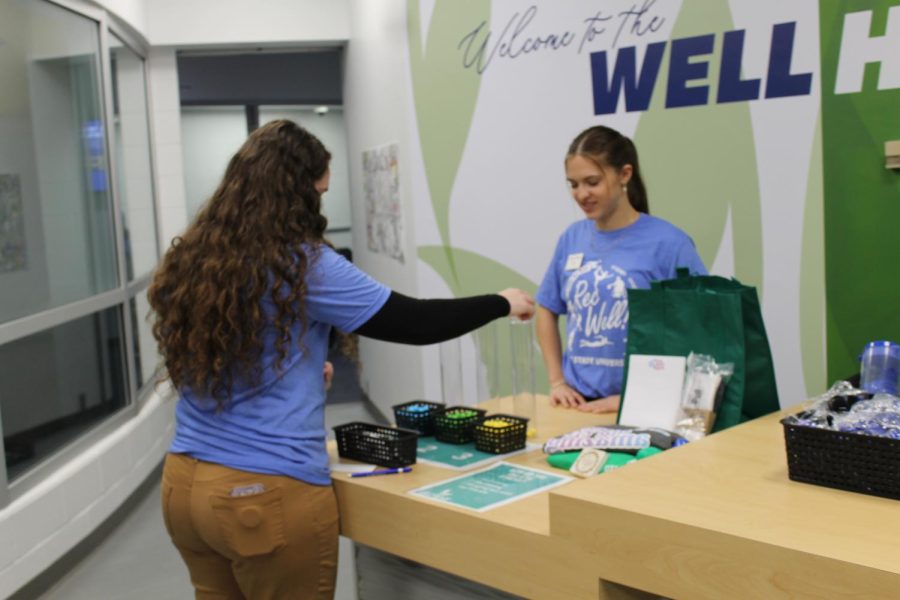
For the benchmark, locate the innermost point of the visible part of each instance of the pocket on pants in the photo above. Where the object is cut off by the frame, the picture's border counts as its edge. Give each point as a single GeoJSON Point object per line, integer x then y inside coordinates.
{"type": "Point", "coordinates": [251, 525]}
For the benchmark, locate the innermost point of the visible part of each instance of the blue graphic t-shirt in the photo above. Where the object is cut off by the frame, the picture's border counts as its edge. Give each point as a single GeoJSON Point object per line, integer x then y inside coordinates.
{"type": "Point", "coordinates": [588, 280]}
{"type": "Point", "coordinates": [278, 426]}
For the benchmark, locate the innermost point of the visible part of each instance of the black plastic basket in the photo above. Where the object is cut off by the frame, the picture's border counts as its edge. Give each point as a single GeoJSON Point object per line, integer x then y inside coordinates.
{"type": "Point", "coordinates": [376, 444]}
{"type": "Point", "coordinates": [451, 428]}
{"type": "Point", "coordinates": [846, 461]}
{"type": "Point", "coordinates": [500, 440]}
{"type": "Point", "coordinates": [421, 421]}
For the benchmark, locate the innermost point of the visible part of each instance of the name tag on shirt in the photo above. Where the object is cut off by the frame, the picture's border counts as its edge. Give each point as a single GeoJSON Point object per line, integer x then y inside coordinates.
{"type": "Point", "coordinates": [574, 261]}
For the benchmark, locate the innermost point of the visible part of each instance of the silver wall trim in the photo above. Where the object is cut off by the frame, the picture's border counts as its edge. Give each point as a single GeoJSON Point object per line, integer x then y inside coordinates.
{"type": "Point", "coordinates": [94, 13]}
{"type": "Point", "coordinates": [47, 319]}
{"type": "Point", "coordinates": [36, 474]}
{"type": "Point", "coordinates": [106, 92]}
{"type": "Point", "coordinates": [138, 285]}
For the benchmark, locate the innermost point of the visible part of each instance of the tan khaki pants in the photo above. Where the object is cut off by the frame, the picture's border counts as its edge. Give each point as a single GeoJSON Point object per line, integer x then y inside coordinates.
{"type": "Point", "coordinates": [250, 536]}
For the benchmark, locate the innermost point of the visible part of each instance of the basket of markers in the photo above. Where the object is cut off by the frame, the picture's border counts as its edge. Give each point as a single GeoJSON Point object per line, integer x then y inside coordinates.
{"type": "Point", "coordinates": [499, 434]}
{"type": "Point", "coordinates": [456, 424]}
{"type": "Point", "coordinates": [418, 415]}
{"type": "Point", "coordinates": [376, 444]}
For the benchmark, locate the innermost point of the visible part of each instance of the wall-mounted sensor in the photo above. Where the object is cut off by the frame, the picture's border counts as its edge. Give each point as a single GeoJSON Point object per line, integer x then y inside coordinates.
{"type": "Point", "coordinates": [321, 110]}
{"type": "Point", "coordinates": [892, 155]}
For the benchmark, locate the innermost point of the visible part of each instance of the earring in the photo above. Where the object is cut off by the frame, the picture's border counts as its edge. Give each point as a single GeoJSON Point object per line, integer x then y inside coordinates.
{"type": "Point", "coordinates": [624, 189]}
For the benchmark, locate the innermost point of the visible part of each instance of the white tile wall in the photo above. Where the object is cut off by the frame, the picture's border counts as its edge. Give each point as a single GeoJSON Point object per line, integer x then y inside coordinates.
{"type": "Point", "coordinates": [117, 461]}
{"type": "Point", "coordinates": [168, 160]}
{"type": "Point", "coordinates": [165, 119]}
{"type": "Point", "coordinates": [9, 549]}
{"type": "Point", "coordinates": [81, 490]}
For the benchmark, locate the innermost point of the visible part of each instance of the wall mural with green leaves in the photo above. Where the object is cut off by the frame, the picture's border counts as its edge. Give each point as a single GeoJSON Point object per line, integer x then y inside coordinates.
{"type": "Point", "coordinates": [860, 112]}
{"type": "Point", "coordinates": [726, 122]}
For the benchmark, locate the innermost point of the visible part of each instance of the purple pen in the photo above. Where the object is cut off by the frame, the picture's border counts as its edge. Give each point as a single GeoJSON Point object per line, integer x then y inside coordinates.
{"type": "Point", "coordinates": [382, 472]}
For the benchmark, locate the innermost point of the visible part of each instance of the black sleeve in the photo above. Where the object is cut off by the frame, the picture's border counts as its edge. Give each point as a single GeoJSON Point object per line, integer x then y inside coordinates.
{"type": "Point", "coordinates": [407, 320]}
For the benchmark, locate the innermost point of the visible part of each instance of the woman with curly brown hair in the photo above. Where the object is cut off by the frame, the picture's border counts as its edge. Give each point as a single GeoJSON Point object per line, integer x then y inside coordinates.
{"type": "Point", "coordinates": [244, 303]}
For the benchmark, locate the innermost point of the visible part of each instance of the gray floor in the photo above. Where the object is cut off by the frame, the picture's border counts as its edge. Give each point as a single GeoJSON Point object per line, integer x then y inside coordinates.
{"type": "Point", "coordinates": [136, 560]}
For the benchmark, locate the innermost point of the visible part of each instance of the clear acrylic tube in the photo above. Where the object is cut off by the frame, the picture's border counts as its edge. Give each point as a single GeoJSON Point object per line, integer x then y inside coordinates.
{"type": "Point", "coordinates": [451, 372]}
{"type": "Point", "coordinates": [521, 341]}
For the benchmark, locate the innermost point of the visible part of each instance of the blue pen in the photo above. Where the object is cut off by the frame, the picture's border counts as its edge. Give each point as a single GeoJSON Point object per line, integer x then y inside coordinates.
{"type": "Point", "coordinates": [382, 472]}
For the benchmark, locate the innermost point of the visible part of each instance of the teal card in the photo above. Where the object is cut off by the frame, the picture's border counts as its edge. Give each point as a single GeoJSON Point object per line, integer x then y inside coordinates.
{"type": "Point", "coordinates": [457, 456]}
{"type": "Point", "coordinates": [495, 486]}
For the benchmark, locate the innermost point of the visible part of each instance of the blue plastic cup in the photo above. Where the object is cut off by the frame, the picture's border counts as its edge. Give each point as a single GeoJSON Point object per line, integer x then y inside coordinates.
{"type": "Point", "coordinates": [880, 368]}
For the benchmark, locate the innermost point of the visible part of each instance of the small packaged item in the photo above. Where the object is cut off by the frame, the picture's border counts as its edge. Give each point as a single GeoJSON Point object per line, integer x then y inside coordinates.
{"type": "Point", "coordinates": [589, 462]}
{"type": "Point", "coordinates": [704, 386]}
{"type": "Point", "coordinates": [603, 438]}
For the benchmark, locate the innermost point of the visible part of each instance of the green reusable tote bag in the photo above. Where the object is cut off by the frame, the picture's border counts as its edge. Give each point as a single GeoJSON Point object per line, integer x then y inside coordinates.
{"type": "Point", "coordinates": [709, 315]}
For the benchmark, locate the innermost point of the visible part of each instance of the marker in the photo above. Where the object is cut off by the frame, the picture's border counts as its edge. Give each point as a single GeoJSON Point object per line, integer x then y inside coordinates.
{"type": "Point", "coordinates": [382, 472]}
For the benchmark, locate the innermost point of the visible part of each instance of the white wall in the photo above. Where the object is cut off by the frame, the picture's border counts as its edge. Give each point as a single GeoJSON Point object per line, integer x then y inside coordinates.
{"type": "Point", "coordinates": [133, 12]}
{"type": "Point", "coordinates": [165, 126]}
{"type": "Point", "coordinates": [210, 136]}
{"type": "Point", "coordinates": [376, 105]}
{"type": "Point", "coordinates": [234, 22]}
{"type": "Point", "coordinates": [135, 183]}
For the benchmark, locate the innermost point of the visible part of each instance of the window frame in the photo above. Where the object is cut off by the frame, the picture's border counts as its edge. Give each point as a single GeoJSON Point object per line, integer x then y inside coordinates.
{"type": "Point", "coordinates": [121, 296]}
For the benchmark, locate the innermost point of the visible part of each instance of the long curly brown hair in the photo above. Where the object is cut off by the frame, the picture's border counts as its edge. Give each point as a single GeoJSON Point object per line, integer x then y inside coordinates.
{"type": "Point", "coordinates": [256, 236]}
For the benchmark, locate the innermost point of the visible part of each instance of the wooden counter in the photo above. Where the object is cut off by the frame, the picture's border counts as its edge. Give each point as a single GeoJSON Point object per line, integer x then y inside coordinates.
{"type": "Point", "coordinates": [714, 519]}
{"type": "Point", "coordinates": [508, 547]}
{"type": "Point", "coordinates": [719, 518]}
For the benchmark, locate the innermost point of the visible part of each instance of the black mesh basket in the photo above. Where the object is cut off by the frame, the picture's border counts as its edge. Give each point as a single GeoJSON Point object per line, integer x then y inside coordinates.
{"type": "Point", "coordinates": [846, 461]}
{"type": "Point", "coordinates": [420, 420]}
{"type": "Point", "coordinates": [456, 424]}
{"type": "Point", "coordinates": [500, 440]}
{"type": "Point", "coordinates": [376, 444]}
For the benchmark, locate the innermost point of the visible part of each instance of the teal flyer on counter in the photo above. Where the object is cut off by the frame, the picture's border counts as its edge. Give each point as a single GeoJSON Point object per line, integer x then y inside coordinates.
{"type": "Point", "coordinates": [495, 486]}
{"type": "Point", "coordinates": [457, 456]}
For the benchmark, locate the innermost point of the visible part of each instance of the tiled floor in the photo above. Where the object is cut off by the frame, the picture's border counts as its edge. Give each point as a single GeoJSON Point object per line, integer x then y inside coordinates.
{"type": "Point", "coordinates": [136, 561]}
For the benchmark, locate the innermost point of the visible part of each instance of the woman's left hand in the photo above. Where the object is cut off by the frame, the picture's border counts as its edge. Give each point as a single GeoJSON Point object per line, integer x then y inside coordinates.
{"type": "Point", "coordinates": [328, 374]}
{"type": "Point", "coordinates": [609, 404]}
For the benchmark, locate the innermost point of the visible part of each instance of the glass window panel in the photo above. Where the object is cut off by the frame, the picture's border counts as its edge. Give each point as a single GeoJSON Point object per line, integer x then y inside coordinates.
{"type": "Point", "coordinates": [146, 355]}
{"type": "Point", "coordinates": [56, 234]}
{"type": "Point", "coordinates": [210, 135]}
{"type": "Point", "coordinates": [57, 384]}
{"type": "Point", "coordinates": [132, 146]}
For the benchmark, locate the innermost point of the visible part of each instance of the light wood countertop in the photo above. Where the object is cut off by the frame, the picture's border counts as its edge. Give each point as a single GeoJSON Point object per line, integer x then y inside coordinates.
{"type": "Point", "coordinates": [717, 518]}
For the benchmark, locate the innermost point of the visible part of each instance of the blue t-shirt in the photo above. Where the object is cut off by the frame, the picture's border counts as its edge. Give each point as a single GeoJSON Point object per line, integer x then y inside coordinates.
{"type": "Point", "coordinates": [588, 280]}
{"type": "Point", "coordinates": [278, 426]}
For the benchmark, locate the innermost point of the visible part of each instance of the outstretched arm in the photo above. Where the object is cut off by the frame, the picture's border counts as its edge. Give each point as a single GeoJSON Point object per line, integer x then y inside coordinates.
{"type": "Point", "coordinates": [408, 320]}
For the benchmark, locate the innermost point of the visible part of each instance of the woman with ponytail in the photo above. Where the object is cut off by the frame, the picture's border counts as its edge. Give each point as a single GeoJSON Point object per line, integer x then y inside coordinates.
{"type": "Point", "coordinates": [597, 259]}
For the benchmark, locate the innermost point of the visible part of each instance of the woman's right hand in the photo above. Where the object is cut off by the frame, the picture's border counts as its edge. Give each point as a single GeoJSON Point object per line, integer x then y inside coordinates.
{"type": "Point", "coordinates": [561, 394]}
{"type": "Point", "coordinates": [521, 305]}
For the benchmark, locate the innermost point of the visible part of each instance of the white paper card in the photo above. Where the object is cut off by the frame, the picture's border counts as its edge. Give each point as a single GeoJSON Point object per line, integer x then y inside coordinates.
{"type": "Point", "coordinates": [653, 391]}
{"type": "Point", "coordinates": [574, 261]}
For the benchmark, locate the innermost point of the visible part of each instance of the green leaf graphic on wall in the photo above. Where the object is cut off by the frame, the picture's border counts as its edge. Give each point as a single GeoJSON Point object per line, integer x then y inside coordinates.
{"type": "Point", "coordinates": [700, 162]}
{"type": "Point", "coordinates": [812, 277]}
{"type": "Point", "coordinates": [862, 198]}
{"type": "Point", "coordinates": [445, 96]}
